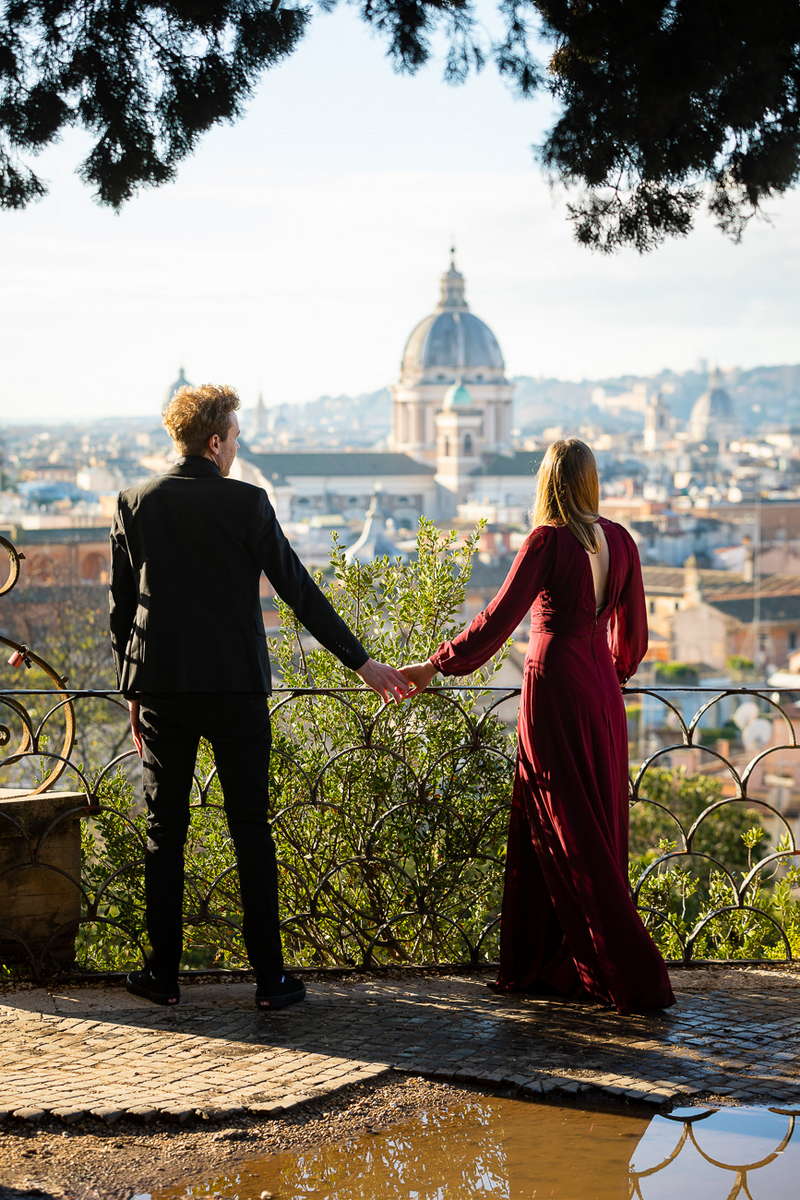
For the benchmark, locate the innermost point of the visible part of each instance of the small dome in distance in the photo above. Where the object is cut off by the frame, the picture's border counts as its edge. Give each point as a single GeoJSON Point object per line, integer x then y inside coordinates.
{"type": "Point", "coordinates": [180, 382]}
{"type": "Point", "coordinates": [457, 396]}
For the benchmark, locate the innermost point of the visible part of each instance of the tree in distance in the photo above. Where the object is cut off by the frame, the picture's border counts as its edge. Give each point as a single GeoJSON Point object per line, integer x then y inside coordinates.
{"type": "Point", "coordinates": [664, 105]}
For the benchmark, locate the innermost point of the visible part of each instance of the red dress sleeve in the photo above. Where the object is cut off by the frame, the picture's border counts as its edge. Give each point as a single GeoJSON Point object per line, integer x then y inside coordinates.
{"type": "Point", "coordinates": [627, 626]}
{"type": "Point", "coordinates": [487, 632]}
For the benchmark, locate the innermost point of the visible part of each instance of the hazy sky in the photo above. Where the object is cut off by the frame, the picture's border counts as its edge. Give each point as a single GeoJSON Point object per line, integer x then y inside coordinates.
{"type": "Point", "coordinates": [297, 249]}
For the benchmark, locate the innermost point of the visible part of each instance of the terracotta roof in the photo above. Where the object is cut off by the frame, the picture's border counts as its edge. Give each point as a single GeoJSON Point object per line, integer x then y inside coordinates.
{"type": "Point", "coordinates": [521, 462]}
{"type": "Point", "coordinates": [769, 585]}
{"type": "Point", "coordinates": [672, 580]}
{"type": "Point", "coordinates": [772, 608]}
{"type": "Point", "coordinates": [55, 536]}
{"type": "Point", "coordinates": [717, 584]}
{"type": "Point", "coordinates": [333, 462]}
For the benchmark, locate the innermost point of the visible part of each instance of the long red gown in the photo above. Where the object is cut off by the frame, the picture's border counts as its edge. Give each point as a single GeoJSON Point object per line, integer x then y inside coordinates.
{"type": "Point", "coordinates": [568, 923]}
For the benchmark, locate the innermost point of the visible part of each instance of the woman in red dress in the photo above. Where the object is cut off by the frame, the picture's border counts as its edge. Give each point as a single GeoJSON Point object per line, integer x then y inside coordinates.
{"type": "Point", "coordinates": [569, 926]}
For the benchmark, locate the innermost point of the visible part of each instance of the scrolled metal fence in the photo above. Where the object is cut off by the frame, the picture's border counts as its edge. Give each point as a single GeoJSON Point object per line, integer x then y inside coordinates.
{"type": "Point", "coordinates": [751, 897]}
{"type": "Point", "coordinates": [390, 825]}
{"type": "Point", "coordinates": [387, 856]}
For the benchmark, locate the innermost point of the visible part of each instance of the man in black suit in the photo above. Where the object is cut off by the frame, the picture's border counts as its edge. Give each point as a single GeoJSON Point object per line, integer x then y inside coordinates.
{"type": "Point", "coordinates": [187, 552]}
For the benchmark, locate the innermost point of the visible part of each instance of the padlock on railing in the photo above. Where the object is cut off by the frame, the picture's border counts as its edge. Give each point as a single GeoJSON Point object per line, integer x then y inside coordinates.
{"type": "Point", "coordinates": [20, 657]}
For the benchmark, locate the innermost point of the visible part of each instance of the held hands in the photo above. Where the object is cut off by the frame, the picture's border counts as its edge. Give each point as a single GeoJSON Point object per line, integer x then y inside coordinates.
{"type": "Point", "coordinates": [136, 733]}
{"type": "Point", "coordinates": [389, 683]}
{"type": "Point", "coordinates": [397, 685]}
{"type": "Point", "coordinates": [418, 675]}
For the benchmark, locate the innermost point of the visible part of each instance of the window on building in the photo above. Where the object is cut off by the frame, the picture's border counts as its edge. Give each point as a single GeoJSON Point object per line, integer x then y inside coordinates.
{"type": "Point", "coordinates": [93, 567]}
{"type": "Point", "coordinates": [42, 568]}
{"type": "Point", "coordinates": [468, 443]}
{"type": "Point", "coordinates": [652, 606]}
{"type": "Point", "coordinates": [792, 639]}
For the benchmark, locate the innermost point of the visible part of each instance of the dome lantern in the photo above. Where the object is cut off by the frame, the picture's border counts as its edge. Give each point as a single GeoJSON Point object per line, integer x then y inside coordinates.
{"type": "Point", "coordinates": [451, 286]}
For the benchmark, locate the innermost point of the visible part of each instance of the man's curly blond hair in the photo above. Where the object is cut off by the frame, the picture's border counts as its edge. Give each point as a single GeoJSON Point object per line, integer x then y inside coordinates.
{"type": "Point", "coordinates": [194, 414]}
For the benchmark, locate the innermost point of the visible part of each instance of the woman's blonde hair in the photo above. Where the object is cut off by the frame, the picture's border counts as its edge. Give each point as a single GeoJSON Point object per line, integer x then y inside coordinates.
{"type": "Point", "coordinates": [568, 491]}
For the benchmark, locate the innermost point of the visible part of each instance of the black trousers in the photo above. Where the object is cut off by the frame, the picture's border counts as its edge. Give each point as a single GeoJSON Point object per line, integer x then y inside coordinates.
{"type": "Point", "coordinates": [238, 728]}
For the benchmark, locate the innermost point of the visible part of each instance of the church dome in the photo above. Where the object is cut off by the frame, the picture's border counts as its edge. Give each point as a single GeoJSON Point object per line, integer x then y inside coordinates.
{"type": "Point", "coordinates": [452, 337]}
{"type": "Point", "coordinates": [712, 410]}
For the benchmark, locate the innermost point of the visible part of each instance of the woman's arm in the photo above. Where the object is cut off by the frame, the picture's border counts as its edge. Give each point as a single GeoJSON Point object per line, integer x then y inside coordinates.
{"type": "Point", "coordinates": [487, 632]}
{"type": "Point", "coordinates": [627, 626]}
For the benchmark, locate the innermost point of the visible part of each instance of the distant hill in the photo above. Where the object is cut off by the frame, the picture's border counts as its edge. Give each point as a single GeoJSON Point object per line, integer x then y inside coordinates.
{"type": "Point", "coordinates": [762, 395]}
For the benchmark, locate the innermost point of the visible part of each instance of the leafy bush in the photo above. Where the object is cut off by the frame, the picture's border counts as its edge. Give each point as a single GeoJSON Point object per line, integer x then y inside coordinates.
{"type": "Point", "coordinates": [691, 850]}
{"type": "Point", "coordinates": [739, 666]}
{"type": "Point", "coordinates": [673, 674]}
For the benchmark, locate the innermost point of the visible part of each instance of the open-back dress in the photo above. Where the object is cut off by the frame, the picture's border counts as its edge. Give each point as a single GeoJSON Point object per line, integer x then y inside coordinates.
{"type": "Point", "coordinates": [569, 924]}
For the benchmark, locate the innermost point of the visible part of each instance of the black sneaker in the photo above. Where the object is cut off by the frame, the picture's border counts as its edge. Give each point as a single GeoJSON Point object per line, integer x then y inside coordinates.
{"type": "Point", "coordinates": [153, 987]}
{"type": "Point", "coordinates": [280, 992]}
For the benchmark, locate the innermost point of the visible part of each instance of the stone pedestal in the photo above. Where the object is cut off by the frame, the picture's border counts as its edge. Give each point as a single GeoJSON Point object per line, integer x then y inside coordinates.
{"type": "Point", "coordinates": [39, 907]}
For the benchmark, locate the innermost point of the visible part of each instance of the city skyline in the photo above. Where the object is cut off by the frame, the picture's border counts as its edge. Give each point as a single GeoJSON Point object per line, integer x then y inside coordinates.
{"type": "Point", "coordinates": [297, 249]}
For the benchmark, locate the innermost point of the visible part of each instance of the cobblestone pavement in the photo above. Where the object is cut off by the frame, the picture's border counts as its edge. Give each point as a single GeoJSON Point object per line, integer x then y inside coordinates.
{"type": "Point", "coordinates": [100, 1052]}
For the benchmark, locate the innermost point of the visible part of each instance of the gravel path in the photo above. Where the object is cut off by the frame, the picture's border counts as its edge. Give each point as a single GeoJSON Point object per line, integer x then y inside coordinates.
{"type": "Point", "coordinates": [98, 1162]}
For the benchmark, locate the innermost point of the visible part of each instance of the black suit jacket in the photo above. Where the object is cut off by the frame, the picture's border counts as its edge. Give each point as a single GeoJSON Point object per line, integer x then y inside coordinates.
{"type": "Point", "coordinates": [187, 552]}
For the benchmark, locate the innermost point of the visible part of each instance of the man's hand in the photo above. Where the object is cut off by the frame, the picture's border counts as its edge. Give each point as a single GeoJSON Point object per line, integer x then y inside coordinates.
{"type": "Point", "coordinates": [386, 681]}
{"type": "Point", "coordinates": [136, 733]}
{"type": "Point", "coordinates": [419, 675]}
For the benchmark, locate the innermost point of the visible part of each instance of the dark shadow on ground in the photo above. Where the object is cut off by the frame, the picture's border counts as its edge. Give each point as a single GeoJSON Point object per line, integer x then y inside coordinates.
{"type": "Point", "coordinates": [716, 1036]}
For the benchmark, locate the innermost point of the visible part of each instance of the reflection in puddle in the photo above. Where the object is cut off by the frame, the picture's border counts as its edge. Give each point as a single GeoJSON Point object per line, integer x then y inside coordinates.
{"type": "Point", "coordinates": [515, 1150]}
{"type": "Point", "coordinates": [725, 1152]}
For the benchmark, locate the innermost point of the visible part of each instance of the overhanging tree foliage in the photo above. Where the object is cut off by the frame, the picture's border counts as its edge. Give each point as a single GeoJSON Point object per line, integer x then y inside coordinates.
{"type": "Point", "coordinates": [664, 104]}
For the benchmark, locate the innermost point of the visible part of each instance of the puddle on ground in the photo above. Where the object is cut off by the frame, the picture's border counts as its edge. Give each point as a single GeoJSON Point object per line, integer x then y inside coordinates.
{"type": "Point", "coordinates": [515, 1150]}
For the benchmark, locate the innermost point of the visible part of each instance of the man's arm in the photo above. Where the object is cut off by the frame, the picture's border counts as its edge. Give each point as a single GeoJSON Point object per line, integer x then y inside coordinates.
{"type": "Point", "coordinates": [122, 593]}
{"type": "Point", "coordinates": [295, 586]}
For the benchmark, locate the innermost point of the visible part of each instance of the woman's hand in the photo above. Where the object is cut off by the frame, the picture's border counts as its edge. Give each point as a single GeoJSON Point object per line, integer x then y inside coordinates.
{"type": "Point", "coordinates": [388, 682]}
{"type": "Point", "coordinates": [419, 675]}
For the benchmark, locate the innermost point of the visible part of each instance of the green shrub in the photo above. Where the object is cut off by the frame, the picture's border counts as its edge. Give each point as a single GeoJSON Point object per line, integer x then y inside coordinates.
{"type": "Point", "coordinates": [672, 674]}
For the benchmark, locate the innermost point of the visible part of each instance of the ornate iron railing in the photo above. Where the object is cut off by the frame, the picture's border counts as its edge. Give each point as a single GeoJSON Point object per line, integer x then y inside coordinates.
{"type": "Point", "coordinates": [390, 839]}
